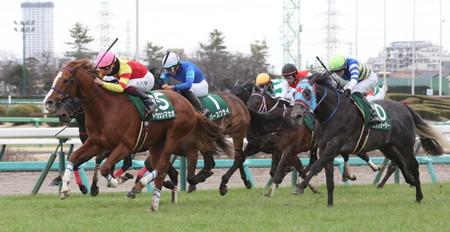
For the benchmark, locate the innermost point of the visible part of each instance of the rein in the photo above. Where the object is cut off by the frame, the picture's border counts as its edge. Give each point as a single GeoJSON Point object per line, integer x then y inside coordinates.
{"type": "Point", "coordinates": [335, 109]}
{"type": "Point", "coordinates": [72, 78]}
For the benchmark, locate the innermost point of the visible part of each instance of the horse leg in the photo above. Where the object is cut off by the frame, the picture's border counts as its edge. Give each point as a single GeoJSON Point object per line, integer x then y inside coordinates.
{"type": "Point", "coordinates": [238, 143]}
{"type": "Point", "coordinates": [413, 166]}
{"type": "Point", "coordinates": [127, 163]}
{"type": "Point", "coordinates": [346, 174]}
{"type": "Point", "coordinates": [161, 167]}
{"type": "Point", "coordinates": [312, 158]}
{"type": "Point", "coordinates": [326, 155]}
{"type": "Point", "coordinates": [277, 172]}
{"type": "Point", "coordinates": [238, 161]}
{"type": "Point", "coordinates": [329, 173]}
{"type": "Point", "coordinates": [390, 170]}
{"type": "Point", "coordinates": [98, 160]}
{"type": "Point", "coordinates": [297, 163]}
{"type": "Point", "coordinates": [81, 155]}
{"type": "Point", "coordinates": [118, 153]}
{"type": "Point", "coordinates": [366, 158]}
{"type": "Point", "coordinates": [150, 161]}
{"type": "Point", "coordinates": [206, 172]}
{"type": "Point", "coordinates": [395, 156]}
{"type": "Point", "coordinates": [192, 157]}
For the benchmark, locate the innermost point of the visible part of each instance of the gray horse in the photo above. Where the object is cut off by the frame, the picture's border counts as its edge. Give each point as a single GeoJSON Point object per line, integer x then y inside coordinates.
{"type": "Point", "coordinates": [339, 126]}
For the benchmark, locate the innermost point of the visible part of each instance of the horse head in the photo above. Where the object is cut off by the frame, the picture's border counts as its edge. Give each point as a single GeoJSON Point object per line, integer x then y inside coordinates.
{"type": "Point", "coordinates": [305, 100]}
{"type": "Point", "coordinates": [260, 100]}
{"type": "Point", "coordinates": [69, 109]}
{"type": "Point", "coordinates": [67, 85]}
{"type": "Point", "coordinates": [243, 91]}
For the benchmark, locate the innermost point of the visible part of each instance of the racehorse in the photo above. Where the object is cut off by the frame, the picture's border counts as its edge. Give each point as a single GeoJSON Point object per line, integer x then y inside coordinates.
{"type": "Point", "coordinates": [276, 112]}
{"type": "Point", "coordinates": [261, 138]}
{"type": "Point", "coordinates": [340, 123]}
{"type": "Point", "coordinates": [113, 125]}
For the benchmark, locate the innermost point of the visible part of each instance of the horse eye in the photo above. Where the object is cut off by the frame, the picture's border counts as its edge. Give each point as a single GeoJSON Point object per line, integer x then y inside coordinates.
{"type": "Point", "coordinates": [65, 81]}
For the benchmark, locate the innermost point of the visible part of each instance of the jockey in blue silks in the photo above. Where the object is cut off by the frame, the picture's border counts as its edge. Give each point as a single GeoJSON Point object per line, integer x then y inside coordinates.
{"type": "Point", "coordinates": [192, 83]}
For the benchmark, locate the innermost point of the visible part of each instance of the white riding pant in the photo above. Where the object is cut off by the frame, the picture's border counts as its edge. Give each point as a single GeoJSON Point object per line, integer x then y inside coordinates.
{"type": "Point", "coordinates": [366, 85]}
{"type": "Point", "coordinates": [200, 89]}
{"type": "Point", "coordinates": [144, 83]}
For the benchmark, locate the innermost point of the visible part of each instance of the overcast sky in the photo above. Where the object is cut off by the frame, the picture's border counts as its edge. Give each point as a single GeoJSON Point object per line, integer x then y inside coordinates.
{"type": "Point", "coordinates": [185, 23]}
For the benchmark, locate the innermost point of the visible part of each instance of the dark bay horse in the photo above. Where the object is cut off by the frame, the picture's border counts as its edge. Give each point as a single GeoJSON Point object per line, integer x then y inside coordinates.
{"type": "Point", "coordinates": [339, 126]}
{"type": "Point", "coordinates": [260, 137]}
{"type": "Point", "coordinates": [113, 125]}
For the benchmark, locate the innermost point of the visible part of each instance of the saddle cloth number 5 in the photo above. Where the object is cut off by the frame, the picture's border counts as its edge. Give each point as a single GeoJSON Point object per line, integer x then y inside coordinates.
{"type": "Point", "coordinates": [162, 103]}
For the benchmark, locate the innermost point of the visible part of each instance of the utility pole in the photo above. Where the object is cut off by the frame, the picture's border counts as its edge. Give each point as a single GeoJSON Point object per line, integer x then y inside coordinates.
{"type": "Point", "coordinates": [440, 47]}
{"type": "Point", "coordinates": [24, 27]}
{"type": "Point", "coordinates": [136, 53]}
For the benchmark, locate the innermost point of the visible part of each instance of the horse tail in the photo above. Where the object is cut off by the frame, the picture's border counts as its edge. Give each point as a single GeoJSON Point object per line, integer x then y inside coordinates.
{"type": "Point", "coordinates": [211, 136]}
{"type": "Point", "coordinates": [433, 142]}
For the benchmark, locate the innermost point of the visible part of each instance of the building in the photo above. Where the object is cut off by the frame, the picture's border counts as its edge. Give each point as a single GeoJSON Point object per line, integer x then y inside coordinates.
{"type": "Point", "coordinates": [39, 41]}
{"type": "Point", "coordinates": [399, 58]}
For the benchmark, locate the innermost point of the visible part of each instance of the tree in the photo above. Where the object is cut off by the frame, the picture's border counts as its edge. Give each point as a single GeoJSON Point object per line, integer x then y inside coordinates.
{"type": "Point", "coordinates": [258, 57]}
{"type": "Point", "coordinates": [214, 59]}
{"type": "Point", "coordinates": [153, 55]}
{"type": "Point", "coordinates": [81, 39]}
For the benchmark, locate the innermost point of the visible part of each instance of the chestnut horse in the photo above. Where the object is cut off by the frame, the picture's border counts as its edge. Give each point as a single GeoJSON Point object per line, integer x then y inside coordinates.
{"type": "Point", "coordinates": [113, 125]}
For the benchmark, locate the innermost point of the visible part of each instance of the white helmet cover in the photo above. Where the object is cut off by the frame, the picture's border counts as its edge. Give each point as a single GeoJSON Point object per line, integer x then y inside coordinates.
{"type": "Point", "coordinates": [170, 59]}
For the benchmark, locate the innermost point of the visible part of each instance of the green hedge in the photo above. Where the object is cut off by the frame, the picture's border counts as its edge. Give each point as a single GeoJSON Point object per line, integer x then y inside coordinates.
{"type": "Point", "coordinates": [430, 108]}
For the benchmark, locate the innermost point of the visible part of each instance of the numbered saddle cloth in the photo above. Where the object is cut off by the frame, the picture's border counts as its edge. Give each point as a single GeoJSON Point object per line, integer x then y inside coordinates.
{"type": "Point", "coordinates": [217, 107]}
{"type": "Point", "coordinates": [164, 109]}
{"type": "Point", "coordinates": [365, 112]}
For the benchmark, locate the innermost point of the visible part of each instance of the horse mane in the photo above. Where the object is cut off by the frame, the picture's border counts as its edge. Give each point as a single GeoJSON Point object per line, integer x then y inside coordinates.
{"type": "Point", "coordinates": [83, 63]}
{"type": "Point", "coordinates": [319, 78]}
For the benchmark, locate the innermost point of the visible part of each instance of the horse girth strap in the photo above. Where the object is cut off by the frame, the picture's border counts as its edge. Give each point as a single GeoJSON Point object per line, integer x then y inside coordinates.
{"type": "Point", "coordinates": [142, 136]}
{"type": "Point", "coordinates": [362, 140]}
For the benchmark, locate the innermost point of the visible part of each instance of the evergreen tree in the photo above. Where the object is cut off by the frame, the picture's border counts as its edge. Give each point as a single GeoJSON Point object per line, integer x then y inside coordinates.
{"type": "Point", "coordinates": [81, 39]}
{"type": "Point", "coordinates": [153, 56]}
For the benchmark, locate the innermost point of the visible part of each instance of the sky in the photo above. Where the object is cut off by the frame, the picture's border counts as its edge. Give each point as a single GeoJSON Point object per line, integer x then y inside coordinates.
{"type": "Point", "coordinates": [185, 23]}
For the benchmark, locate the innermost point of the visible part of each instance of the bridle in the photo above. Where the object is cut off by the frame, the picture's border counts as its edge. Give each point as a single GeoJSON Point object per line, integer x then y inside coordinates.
{"type": "Point", "coordinates": [73, 79]}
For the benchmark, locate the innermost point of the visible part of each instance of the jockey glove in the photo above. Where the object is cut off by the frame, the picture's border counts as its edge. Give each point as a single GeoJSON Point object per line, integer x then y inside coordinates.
{"type": "Point", "coordinates": [347, 92]}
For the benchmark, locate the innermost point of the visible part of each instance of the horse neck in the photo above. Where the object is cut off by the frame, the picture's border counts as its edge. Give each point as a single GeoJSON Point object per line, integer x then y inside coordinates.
{"type": "Point", "coordinates": [327, 106]}
{"type": "Point", "coordinates": [93, 97]}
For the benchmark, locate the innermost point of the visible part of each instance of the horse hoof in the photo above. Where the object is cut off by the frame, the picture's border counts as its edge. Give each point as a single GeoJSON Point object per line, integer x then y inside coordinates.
{"type": "Point", "coordinates": [298, 191]}
{"type": "Point", "coordinates": [248, 184]}
{"type": "Point", "coordinates": [56, 181]}
{"type": "Point", "coordinates": [268, 194]}
{"type": "Point", "coordinates": [137, 188]}
{"type": "Point", "coordinates": [192, 188]}
{"type": "Point", "coordinates": [83, 189]}
{"type": "Point", "coordinates": [113, 183]}
{"type": "Point", "coordinates": [169, 184]}
{"type": "Point", "coordinates": [223, 189]}
{"type": "Point", "coordinates": [131, 195]}
{"type": "Point", "coordinates": [128, 176]}
{"type": "Point", "coordinates": [94, 191]}
{"type": "Point", "coordinates": [330, 206]}
{"type": "Point", "coordinates": [64, 194]}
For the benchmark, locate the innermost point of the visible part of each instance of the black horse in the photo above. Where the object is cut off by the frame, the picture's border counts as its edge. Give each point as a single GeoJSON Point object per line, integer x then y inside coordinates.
{"type": "Point", "coordinates": [339, 126]}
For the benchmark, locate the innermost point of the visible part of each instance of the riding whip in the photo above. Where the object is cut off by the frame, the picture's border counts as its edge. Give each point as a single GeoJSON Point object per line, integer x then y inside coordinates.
{"type": "Point", "coordinates": [331, 74]}
{"type": "Point", "coordinates": [109, 48]}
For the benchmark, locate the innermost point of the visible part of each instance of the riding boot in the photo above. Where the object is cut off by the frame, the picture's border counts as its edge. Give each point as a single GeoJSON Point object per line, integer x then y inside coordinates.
{"type": "Point", "coordinates": [150, 106]}
{"type": "Point", "coordinates": [374, 119]}
{"type": "Point", "coordinates": [195, 102]}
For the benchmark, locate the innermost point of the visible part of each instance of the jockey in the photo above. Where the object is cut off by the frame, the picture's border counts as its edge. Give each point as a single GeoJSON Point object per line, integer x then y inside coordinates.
{"type": "Point", "coordinates": [278, 88]}
{"type": "Point", "coordinates": [134, 78]}
{"type": "Point", "coordinates": [361, 79]}
{"type": "Point", "coordinates": [192, 81]}
{"type": "Point", "coordinates": [292, 75]}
